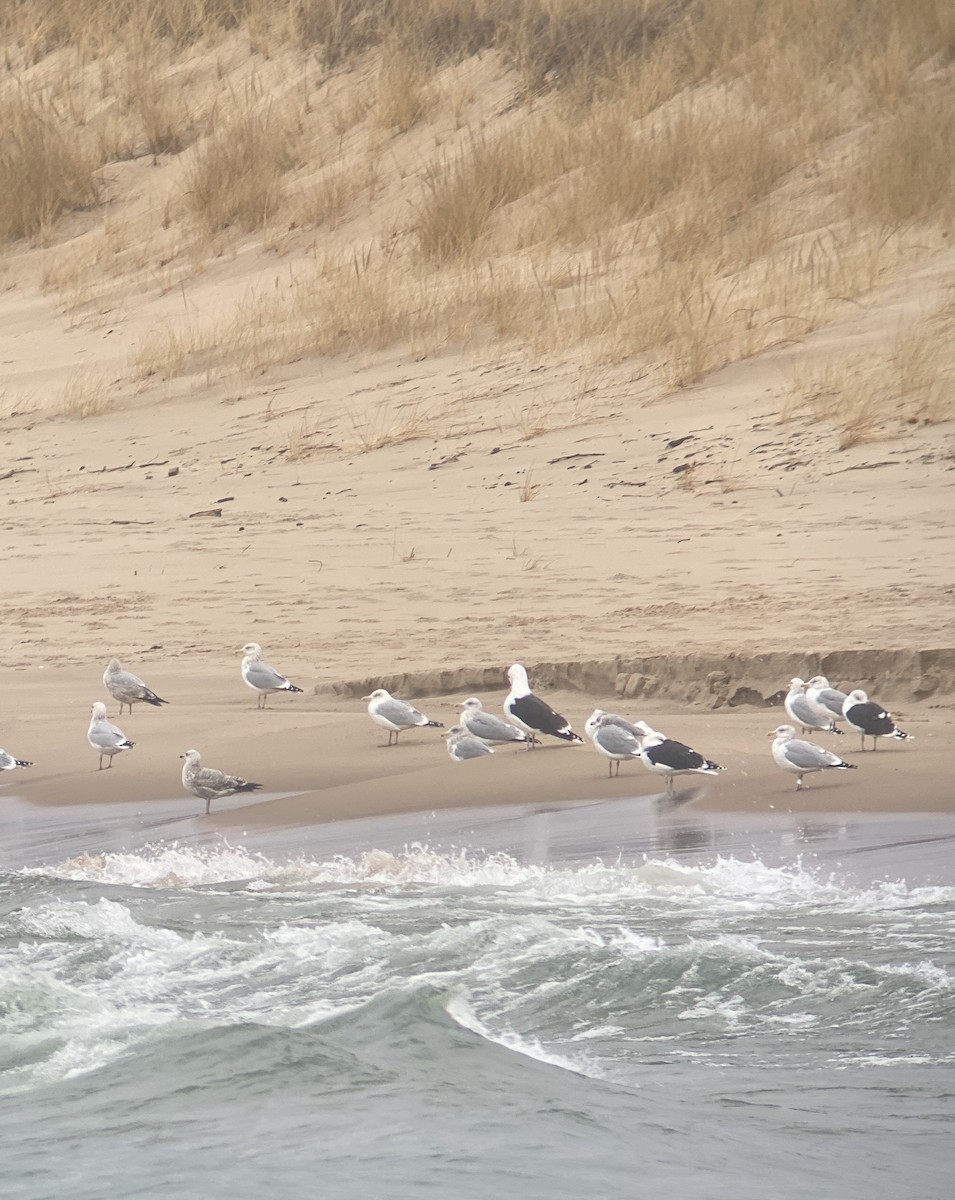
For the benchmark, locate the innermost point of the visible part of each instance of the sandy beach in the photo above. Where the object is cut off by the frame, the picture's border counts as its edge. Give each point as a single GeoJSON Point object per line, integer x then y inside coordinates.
{"type": "Point", "coordinates": [672, 528]}
{"type": "Point", "coordinates": [319, 758]}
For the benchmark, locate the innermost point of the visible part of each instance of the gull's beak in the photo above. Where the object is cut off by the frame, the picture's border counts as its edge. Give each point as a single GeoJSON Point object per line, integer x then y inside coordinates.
{"type": "Point", "coordinates": [366, 697]}
{"type": "Point", "coordinates": [772, 733]}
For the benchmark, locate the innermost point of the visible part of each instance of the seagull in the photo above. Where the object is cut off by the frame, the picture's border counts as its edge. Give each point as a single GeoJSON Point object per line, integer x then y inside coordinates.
{"type": "Point", "coordinates": [394, 714]}
{"type": "Point", "coordinates": [127, 688]}
{"type": "Point", "coordinates": [487, 726]}
{"type": "Point", "coordinates": [209, 784]}
{"type": "Point", "coordinates": [614, 741]}
{"type": "Point", "coordinates": [801, 712]}
{"type": "Point", "coordinates": [9, 763]}
{"type": "Point", "coordinates": [826, 700]}
{"type": "Point", "coordinates": [802, 758]}
{"type": "Point", "coordinates": [462, 745]}
{"type": "Point", "coordinates": [664, 756]}
{"type": "Point", "coordinates": [635, 728]}
{"type": "Point", "coordinates": [870, 719]}
{"type": "Point", "coordinates": [104, 737]}
{"type": "Point", "coordinates": [531, 713]}
{"type": "Point", "coordinates": [261, 677]}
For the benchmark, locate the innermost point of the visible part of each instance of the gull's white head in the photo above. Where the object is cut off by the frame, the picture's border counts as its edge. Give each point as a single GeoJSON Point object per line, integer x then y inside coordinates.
{"type": "Point", "coordinates": [114, 666]}
{"type": "Point", "coordinates": [517, 675]}
{"type": "Point", "coordinates": [472, 704]}
{"type": "Point", "coordinates": [818, 681]}
{"type": "Point", "coordinates": [455, 731]}
{"type": "Point", "coordinates": [858, 696]}
{"type": "Point", "coordinates": [796, 684]}
{"type": "Point", "coordinates": [378, 694]}
{"type": "Point", "coordinates": [98, 711]}
{"type": "Point", "coordinates": [782, 733]}
{"type": "Point", "coordinates": [191, 756]}
{"type": "Point", "coordinates": [592, 721]}
{"type": "Point", "coordinates": [251, 650]}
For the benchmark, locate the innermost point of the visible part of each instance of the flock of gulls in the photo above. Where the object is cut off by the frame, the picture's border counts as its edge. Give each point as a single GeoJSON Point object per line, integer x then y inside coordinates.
{"type": "Point", "coordinates": [813, 706]}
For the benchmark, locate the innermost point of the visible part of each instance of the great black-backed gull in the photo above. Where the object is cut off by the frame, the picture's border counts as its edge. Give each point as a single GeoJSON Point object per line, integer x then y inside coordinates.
{"type": "Point", "coordinates": [105, 738]}
{"type": "Point", "coordinates": [262, 678]}
{"type": "Point", "coordinates": [463, 745]}
{"type": "Point", "coordinates": [209, 784]}
{"type": "Point", "coordinates": [802, 758]}
{"type": "Point", "coordinates": [487, 726]}
{"type": "Point", "coordinates": [870, 719]}
{"type": "Point", "coordinates": [826, 700]}
{"type": "Point", "coordinates": [801, 711]}
{"type": "Point", "coordinates": [9, 763]}
{"type": "Point", "coordinates": [614, 742]}
{"type": "Point", "coordinates": [394, 715]}
{"type": "Point", "coordinates": [128, 688]}
{"type": "Point", "coordinates": [664, 756]}
{"type": "Point", "coordinates": [530, 711]}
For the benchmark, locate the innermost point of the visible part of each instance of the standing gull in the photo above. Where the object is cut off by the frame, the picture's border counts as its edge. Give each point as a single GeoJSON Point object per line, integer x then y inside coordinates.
{"type": "Point", "coordinates": [209, 784]}
{"type": "Point", "coordinates": [9, 763]}
{"type": "Point", "coordinates": [487, 726]}
{"type": "Point", "coordinates": [802, 758]}
{"type": "Point", "coordinates": [261, 677]}
{"type": "Point", "coordinates": [664, 756]}
{"type": "Point", "coordinates": [531, 713]}
{"type": "Point", "coordinates": [463, 745]}
{"type": "Point", "coordinates": [127, 688]}
{"type": "Point", "coordinates": [104, 737]}
{"type": "Point", "coordinates": [870, 719]}
{"type": "Point", "coordinates": [802, 713]}
{"type": "Point", "coordinates": [394, 715]}
{"type": "Point", "coordinates": [826, 700]}
{"type": "Point", "coordinates": [615, 742]}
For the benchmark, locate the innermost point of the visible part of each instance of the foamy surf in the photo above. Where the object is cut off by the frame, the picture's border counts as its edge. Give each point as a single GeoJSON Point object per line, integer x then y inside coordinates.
{"type": "Point", "coordinates": [198, 992]}
{"type": "Point", "coordinates": [725, 880]}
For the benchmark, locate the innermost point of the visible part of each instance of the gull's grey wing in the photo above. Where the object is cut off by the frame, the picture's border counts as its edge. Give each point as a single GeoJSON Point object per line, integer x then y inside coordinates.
{"type": "Point", "coordinates": [398, 712]}
{"type": "Point", "coordinates": [832, 700]}
{"type": "Point", "coordinates": [105, 735]}
{"type": "Point", "coordinates": [470, 747]}
{"type": "Point", "coordinates": [261, 675]}
{"type": "Point", "coordinates": [616, 740]}
{"type": "Point", "coordinates": [487, 725]}
{"type": "Point", "coordinates": [808, 756]}
{"type": "Point", "coordinates": [802, 709]}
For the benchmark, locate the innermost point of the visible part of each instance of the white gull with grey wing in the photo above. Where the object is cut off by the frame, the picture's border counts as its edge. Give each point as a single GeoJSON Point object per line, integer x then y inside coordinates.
{"type": "Point", "coordinates": [802, 712]}
{"type": "Point", "coordinates": [394, 714]}
{"type": "Point", "coordinates": [463, 745]}
{"type": "Point", "coordinates": [487, 726]}
{"type": "Point", "coordinates": [261, 677]}
{"type": "Point", "coordinates": [105, 738]}
{"type": "Point", "coordinates": [803, 758]}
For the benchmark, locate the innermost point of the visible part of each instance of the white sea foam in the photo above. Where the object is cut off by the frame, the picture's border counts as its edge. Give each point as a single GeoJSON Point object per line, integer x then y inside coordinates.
{"type": "Point", "coordinates": [726, 882]}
